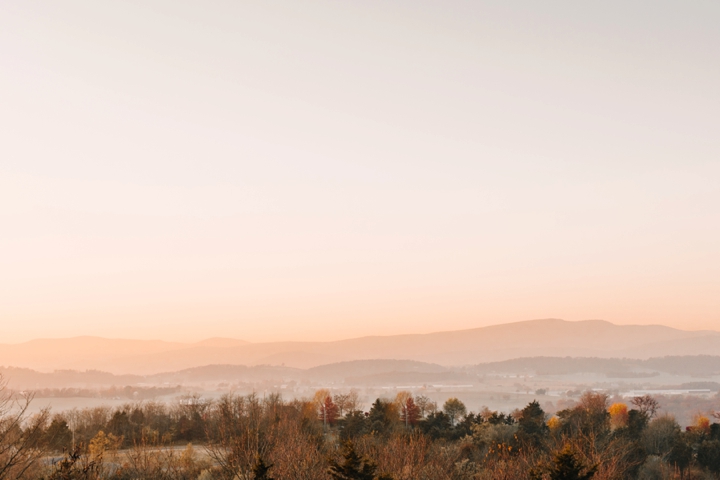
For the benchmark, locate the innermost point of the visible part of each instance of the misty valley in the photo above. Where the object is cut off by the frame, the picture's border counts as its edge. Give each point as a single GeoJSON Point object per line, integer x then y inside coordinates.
{"type": "Point", "coordinates": [524, 418]}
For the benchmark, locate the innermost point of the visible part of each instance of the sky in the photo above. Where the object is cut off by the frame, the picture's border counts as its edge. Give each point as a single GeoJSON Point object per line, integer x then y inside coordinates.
{"type": "Point", "coordinates": [319, 170]}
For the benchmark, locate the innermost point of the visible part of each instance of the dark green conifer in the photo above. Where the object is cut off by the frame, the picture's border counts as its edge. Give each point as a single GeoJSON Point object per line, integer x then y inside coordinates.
{"type": "Point", "coordinates": [354, 466]}
{"type": "Point", "coordinates": [261, 470]}
{"type": "Point", "coordinates": [566, 466]}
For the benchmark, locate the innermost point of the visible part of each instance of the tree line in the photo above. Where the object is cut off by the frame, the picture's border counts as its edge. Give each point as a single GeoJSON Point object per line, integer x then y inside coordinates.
{"type": "Point", "coordinates": [329, 437]}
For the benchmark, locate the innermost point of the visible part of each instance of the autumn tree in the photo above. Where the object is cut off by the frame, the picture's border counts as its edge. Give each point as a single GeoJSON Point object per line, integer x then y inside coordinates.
{"type": "Point", "coordinates": [103, 443]}
{"type": "Point", "coordinates": [454, 409]}
{"type": "Point", "coordinates": [400, 399]}
{"type": "Point", "coordinates": [327, 409]}
{"type": "Point", "coordinates": [701, 423]}
{"type": "Point", "coordinates": [618, 415]}
{"type": "Point", "coordinates": [589, 417]}
{"type": "Point", "coordinates": [330, 411]}
{"type": "Point", "coordinates": [409, 411]}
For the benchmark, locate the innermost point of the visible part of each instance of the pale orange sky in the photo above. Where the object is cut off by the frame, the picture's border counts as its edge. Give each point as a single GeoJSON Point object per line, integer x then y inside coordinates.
{"type": "Point", "coordinates": [321, 170]}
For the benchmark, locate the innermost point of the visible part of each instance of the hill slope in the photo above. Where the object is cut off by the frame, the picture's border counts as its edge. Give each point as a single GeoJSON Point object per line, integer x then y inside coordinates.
{"type": "Point", "coordinates": [549, 337]}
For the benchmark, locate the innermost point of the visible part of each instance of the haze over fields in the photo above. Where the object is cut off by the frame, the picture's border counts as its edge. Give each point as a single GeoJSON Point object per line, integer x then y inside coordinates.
{"type": "Point", "coordinates": [502, 366]}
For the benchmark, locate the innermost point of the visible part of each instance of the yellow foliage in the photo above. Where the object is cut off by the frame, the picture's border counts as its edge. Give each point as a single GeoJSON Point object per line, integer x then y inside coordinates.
{"type": "Point", "coordinates": [402, 397]}
{"type": "Point", "coordinates": [701, 422]}
{"type": "Point", "coordinates": [102, 443]}
{"type": "Point", "coordinates": [554, 423]}
{"type": "Point", "coordinates": [187, 458]}
{"type": "Point", "coordinates": [309, 410]}
{"type": "Point", "coordinates": [618, 415]}
{"type": "Point", "coordinates": [321, 395]}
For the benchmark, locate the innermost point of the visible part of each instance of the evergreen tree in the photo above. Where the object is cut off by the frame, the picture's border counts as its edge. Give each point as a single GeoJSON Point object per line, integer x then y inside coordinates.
{"type": "Point", "coordinates": [353, 425]}
{"type": "Point", "coordinates": [437, 425]}
{"type": "Point", "coordinates": [708, 455]}
{"type": "Point", "coordinates": [532, 426]}
{"type": "Point", "coordinates": [566, 466]}
{"type": "Point", "coordinates": [260, 470]}
{"type": "Point", "coordinates": [382, 416]}
{"type": "Point", "coordinates": [58, 435]}
{"type": "Point", "coordinates": [354, 466]}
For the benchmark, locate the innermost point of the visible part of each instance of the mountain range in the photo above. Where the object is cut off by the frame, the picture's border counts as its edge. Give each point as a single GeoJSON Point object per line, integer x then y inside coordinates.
{"type": "Point", "coordinates": [533, 338]}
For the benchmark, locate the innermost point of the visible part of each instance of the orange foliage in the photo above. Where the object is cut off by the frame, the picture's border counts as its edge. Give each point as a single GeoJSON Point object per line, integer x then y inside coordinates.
{"type": "Point", "coordinates": [618, 415]}
{"type": "Point", "coordinates": [554, 423]}
{"type": "Point", "coordinates": [702, 423]}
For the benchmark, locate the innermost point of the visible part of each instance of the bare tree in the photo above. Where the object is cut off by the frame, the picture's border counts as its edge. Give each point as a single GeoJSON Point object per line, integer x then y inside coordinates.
{"type": "Point", "coordinates": [455, 409]}
{"type": "Point", "coordinates": [19, 435]}
{"type": "Point", "coordinates": [342, 401]}
{"type": "Point", "coordinates": [238, 434]}
{"type": "Point", "coordinates": [423, 403]}
{"type": "Point", "coordinates": [647, 405]}
{"type": "Point", "coordinates": [151, 459]}
{"type": "Point", "coordinates": [296, 454]}
{"type": "Point", "coordinates": [353, 400]}
{"type": "Point", "coordinates": [72, 420]}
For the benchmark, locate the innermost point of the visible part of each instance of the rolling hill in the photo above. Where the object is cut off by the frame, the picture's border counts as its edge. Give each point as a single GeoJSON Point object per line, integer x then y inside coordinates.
{"type": "Point", "coordinates": [534, 338]}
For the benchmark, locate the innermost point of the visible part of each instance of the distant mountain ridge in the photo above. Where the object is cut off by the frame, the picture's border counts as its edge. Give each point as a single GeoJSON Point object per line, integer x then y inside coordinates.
{"type": "Point", "coordinates": [533, 338]}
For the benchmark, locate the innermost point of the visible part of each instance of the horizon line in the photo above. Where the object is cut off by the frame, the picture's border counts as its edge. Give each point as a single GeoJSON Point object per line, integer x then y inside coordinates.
{"type": "Point", "coordinates": [196, 342]}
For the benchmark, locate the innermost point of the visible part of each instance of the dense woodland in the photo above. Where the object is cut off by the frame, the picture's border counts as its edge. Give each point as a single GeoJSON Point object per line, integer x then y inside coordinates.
{"type": "Point", "coordinates": [329, 437]}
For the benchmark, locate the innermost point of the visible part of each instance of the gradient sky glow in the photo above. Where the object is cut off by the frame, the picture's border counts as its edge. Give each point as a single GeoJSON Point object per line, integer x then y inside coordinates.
{"type": "Point", "coordinates": [320, 170]}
